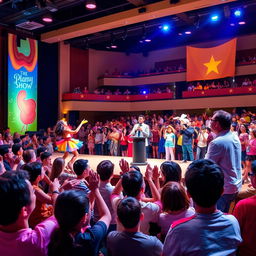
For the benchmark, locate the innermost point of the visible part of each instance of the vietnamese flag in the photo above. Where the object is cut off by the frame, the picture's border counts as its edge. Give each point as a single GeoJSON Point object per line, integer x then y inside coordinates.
{"type": "Point", "coordinates": [211, 63]}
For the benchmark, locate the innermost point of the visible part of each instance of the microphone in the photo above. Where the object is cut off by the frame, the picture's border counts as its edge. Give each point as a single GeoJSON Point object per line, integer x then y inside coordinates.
{"type": "Point", "coordinates": [139, 131]}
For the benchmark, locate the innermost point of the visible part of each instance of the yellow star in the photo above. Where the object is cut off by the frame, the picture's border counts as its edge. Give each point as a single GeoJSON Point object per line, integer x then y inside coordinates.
{"type": "Point", "coordinates": [212, 66]}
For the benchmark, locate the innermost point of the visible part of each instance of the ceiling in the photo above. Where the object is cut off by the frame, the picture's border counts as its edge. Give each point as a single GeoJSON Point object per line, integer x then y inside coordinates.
{"type": "Point", "coordinates": [131, 38]}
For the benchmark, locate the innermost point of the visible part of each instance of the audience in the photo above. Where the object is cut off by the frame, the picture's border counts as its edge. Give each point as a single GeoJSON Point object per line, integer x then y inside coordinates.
{"type": "Point", "coordinates": [209, 232]}
{"type": "Point", "coordinates": [131, 241]}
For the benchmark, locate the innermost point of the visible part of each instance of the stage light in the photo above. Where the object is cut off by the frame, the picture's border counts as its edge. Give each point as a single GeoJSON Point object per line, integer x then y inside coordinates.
{"type": "Point", "coordinates": [238, 13]}
{"type": "Point", "coordinates": [147, 40]}
{"type": "Point", "coordinates": [113, 46]}
{"type": "Point", "coordinates": [144, 92]}
{"type": "Point", "coordinates": [232, 24]}
{"type": "Point", "coordinates": [165, 28]}
{"type": "Point", "coordinates": [180, 34]}
{"type": "Point", "coordinates": [90, 4]}
{"type": "Point", "coordinates": [214, 17]}
{"type": "Point", "coordinates": [47, 19]}
{"type": "Point", "coordinates": [242, 23]}
{"type": "Point", "coordinates": [188, 32]}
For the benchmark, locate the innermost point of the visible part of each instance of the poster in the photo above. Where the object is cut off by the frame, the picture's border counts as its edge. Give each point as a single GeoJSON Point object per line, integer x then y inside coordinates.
{"type": "Point", "coordinates": [22, 84]}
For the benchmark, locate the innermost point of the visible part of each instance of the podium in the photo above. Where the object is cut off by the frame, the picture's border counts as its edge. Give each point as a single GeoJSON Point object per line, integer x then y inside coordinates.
{"type": "Point", "coordinates": [139, 151]}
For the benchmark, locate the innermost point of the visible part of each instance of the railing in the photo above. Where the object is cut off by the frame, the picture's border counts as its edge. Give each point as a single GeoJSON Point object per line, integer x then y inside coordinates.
{"type": "Point", "coordinates": [219, 92]}
{"type": "Point", "coordinates": [95, 97]}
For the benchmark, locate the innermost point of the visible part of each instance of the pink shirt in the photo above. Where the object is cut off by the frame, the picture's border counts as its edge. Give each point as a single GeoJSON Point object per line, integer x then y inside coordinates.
{"type": "Point", "coordinates": [252, 147]}
{"type": "Point", "coordinates": [26, 242]}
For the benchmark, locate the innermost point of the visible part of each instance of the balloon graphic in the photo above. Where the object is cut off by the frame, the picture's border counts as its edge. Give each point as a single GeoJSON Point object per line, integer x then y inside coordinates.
{"type": "Point", "coordinates": [27, 109]}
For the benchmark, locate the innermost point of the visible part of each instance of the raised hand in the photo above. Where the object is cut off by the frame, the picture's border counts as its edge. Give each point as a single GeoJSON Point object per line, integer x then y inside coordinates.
{"type": "Point", "coordinates": [124, 166]}
{"type": "Point", "coordinates": [84, 121]}
{"type": "Point", "coordinates": [156, 173]}
{"type": "Point", "coordinates": [94, 181]}
{"type": "Point", "coordinates": [69, 184]}
{"type": "Point", "coordinates": [149, 173]}
{"type": "Point", "coordinates": [55, 185]}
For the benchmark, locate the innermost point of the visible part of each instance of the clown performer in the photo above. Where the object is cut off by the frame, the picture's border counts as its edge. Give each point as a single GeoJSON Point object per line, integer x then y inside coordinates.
{"type": "Point", "coordinates": [68, 144]}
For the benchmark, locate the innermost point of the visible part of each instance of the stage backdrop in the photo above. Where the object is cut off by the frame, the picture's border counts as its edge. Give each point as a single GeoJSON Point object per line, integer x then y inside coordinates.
{"type": "Point", "coordinates": [211, 63]}
{"type": "Point", "coordinates": [22, 84]}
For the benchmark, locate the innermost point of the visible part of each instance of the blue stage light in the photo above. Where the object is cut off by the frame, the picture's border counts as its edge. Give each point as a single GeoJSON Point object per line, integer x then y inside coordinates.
{"type": "Point", "coordinates": [165, 28]}
{"type": "Point", "coordinates": [144, 92]}
{"type": "Point", "coordinates": [238, 13]}
{"type": "Point", "coordinates": [215, 17]}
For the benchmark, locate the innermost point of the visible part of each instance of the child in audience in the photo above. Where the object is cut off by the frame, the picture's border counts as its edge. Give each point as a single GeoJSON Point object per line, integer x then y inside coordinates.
{"type": "Point", "coordinates": [169, 136]}
{"type": "Point", "coordinates": [18, 199]}
{"type": "Point", "coordinates": [245, 212]}
{"type": "Point", "coordinates": [133, 185]}
{"type": "Point", "coordinates": [73, 236]}
{"type": "Point", "coordinates": [44, 202]}
{"type": "Point", "coordinates": [131, 241]}
{"type": "Point", "coordinates": [209, 232]}
{"type": "Point", "coordinates": [105, 170]}
{"type": "Point", "coordinates": [175, 206]}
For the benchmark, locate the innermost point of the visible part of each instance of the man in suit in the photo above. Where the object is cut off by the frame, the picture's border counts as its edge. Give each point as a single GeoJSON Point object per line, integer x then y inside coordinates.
{"type": "Point", "coordinates": [141, 130]}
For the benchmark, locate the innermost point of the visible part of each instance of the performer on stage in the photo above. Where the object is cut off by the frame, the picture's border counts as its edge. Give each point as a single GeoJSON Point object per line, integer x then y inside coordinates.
{"type": "Point", "coordinates": [141, 130]}
{"type": "Point", "coordinates": [68, 144]}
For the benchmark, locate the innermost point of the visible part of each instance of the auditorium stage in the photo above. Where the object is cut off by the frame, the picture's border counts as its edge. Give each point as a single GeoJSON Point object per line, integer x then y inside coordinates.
{"type": "Point", "coordinates": [95, 160]}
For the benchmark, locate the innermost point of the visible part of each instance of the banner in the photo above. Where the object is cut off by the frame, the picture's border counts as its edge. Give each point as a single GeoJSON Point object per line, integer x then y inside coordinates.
{"type": "Point", "coordinates": [211, 63]}
{"type": "Point", "coordinates": [22, 84]}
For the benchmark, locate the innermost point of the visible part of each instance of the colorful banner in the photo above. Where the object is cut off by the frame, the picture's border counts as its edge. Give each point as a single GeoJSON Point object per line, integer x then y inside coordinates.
{"type": "Point", "coordinates": [22, 84]}
{"type": "Point", "coordinates": [211, 63]}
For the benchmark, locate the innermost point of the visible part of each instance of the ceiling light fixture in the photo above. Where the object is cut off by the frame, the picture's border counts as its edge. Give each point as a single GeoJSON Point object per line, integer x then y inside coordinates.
{"type": "Point", "coordinates": [90, 4]}
{"type": "Point", "coordinates": [47, 18]}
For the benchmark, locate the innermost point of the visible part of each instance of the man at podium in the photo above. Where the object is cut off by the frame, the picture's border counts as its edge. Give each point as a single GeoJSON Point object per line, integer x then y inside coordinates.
{"type": "Point", "coordinates": [141, 130]}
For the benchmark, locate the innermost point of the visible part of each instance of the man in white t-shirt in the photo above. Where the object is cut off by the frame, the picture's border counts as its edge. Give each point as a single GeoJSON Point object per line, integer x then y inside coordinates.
{"type": "Point", "coordinates": [209, 232]}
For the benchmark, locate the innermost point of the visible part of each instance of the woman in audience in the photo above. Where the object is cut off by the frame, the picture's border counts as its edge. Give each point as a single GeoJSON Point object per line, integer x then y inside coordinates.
{"type": "Point", "coordinates": [74, 236]}
{"type": "Point", "coordinates": [243, 137]}
{"type": "Point", "coordinates": [155, 140]}
{"type": "Point", "coordinates": [91, 142]}
{"type": "Point", "coordinates": [123, 142]}
{"type": "Point", "coordinates": [44, 202]}
{"type": "Point", "coordinates": [251, 154]}
{"type": "Point", "coordinates": [161, 149]}
{"type": "Point", "coordinates": [175, 206]}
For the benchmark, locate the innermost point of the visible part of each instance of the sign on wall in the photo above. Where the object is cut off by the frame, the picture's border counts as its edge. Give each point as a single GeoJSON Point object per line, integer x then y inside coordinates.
{"type": "Point", "coordinates": [22, 84]}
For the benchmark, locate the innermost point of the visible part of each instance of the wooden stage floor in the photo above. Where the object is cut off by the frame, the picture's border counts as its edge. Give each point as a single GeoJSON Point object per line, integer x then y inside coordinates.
{"type": "Point", "coordinates": [95, 160]}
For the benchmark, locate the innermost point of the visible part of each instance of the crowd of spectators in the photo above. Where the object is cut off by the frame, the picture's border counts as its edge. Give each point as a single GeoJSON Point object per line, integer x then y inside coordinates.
{"type": "Point", "coordinates": [50, 210]}
{"type": "Point", "coordinates": [219, 84]}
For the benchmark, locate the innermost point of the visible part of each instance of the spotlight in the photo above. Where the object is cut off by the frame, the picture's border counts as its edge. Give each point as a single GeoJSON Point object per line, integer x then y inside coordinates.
{"type": "Point", "coordinates": [180, 34]}
{"type": "Point", "coordinates": [242, 23]}
{"type": "Point", "coordinates": [47, 19]}
{"type": "Point", "coordinates": [113, 46]}
{"type": "Point", "coordinates": [214, 17]}
{"type": "Point", "coordinates": [144, 92]}
{"type": "Point", "coordinates": [188, 32]}
{"type": "Point", "coordinates": [232, 24]}
{"type": "Point", "coordinates": [165, 27]}
{"type": "Point", "coordinates": [148, 40]}
{"type": "Point", "coordinates": [238, 13]}
{"type": "Point", "coordinates": [90, 4]}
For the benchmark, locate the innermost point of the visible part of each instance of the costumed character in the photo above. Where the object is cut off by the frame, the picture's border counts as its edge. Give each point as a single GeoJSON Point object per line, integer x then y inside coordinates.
{"type": "Point", "coordinates": [68, 144]}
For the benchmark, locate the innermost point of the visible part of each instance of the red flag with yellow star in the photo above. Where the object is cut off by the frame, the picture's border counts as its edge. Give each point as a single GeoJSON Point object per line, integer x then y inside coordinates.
{"type": "Point", "coordinates": [211, 63]}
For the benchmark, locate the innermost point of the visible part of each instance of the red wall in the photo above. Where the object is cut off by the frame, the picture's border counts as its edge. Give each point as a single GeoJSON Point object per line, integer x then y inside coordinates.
{"type": "Point", "coordinates": [79, 68]}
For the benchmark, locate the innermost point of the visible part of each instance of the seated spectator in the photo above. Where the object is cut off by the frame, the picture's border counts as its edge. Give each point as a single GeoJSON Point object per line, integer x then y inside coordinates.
{"type": "Point", "coordinates": [127, 92]}
{"type": "Point", "coordinates": [39, 151]}
{"type": "Point", "coordinates": [209, 232]}
{"type": "Point", "coordinates": [18, 198]}
{"type": "Point", "coordinates": [158, 91]}
{"type": "Point", "coordinates": [198, 87]}
{"type": "Point", "coordinates": [117, 92]}
{"type": "Point", "coordinates": [1, 139]}
{"type": "Point", "coordinates": [74, 236]}
{"type": "Point", "coordinates": [29, 156]}
{"type": "Point", "coordinates": [131, 241]}
{"type": "Point", "coordinates": [17, 152]}
{"type": "Point", "coordinates": [82, 171]}
{"type": "Point", "coordinates": [46, 159]}
{"type": "Point", "coordinates": [48, 144]}
{"type": "Point", "coordinates": [245, 211]}
{"type": "Point", "coordinates": [175, 206]}
{"type": "Point", "coordinates": [96, 91]}
{"type": "Point", "coordinates": [133, 185]}
{"type": "Point", "coordinates": [58, 171]}
{"type": "Point", "coordinates": [168, 90]}
{"type": "Point", "coordinates": [44, 202]}
{"type": "Point", "coordinates": [6, 153]}
{"type": "Point", "coordinates": [105, 169]}
{"type": "Point", "coordinates": [85, 90]}
{"type": "Point", "coordinates": [108, 92]}
{"type": "Point", "coordinates": [190, 88]}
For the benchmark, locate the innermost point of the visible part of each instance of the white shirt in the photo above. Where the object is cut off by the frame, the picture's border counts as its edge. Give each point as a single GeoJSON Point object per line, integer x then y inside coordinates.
{"type": "Point", "coordinates": [143, 134]}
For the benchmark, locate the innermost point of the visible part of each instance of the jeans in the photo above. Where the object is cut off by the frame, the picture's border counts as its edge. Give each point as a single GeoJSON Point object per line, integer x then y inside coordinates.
{"type": "Point", "coordinates": [200, 152]}
{"type": "Point", "coordinates": [224, 202]}
{"type": "Point", "coordinates": [98, 149]}
{"type": "Point", "coordinates": [187, 150]}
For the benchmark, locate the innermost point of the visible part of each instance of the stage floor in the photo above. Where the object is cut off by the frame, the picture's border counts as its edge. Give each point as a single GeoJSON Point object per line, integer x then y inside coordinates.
{"type": "Point", "coordinates": [95, 160]}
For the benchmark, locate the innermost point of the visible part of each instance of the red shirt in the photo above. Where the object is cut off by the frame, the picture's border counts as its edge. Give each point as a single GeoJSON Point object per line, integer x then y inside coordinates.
{"type": "Point", "coordinates": [245, 212]}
